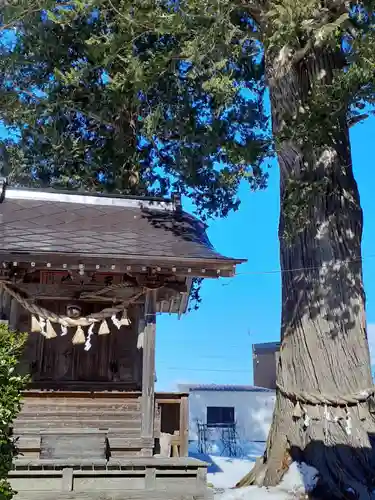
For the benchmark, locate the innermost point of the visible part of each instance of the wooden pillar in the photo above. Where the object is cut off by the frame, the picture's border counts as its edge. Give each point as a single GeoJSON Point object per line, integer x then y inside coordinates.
{"type": "Point", "coordinates": [14, 314]}
{"type": "Point", "coordinates": [184, 426]}
{"type": "Point", "coordinates": [5, 305]}
{"type": "Point", "coordinates": [4, 314]}
{"type": "Point", "coordinates": [148, 375]}
{"type": "Point", "coordinates": [1, 301]}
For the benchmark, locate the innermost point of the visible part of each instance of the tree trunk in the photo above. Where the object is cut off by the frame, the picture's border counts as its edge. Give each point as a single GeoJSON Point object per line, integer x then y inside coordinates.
{"type": "Point", "coordinates": [324, 356]}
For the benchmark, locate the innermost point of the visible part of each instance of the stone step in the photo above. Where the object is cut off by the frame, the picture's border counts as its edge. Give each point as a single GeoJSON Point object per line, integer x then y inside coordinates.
{"type": "Point", "coordinates": [28, 442]}
{"type": "Point", "coordinates": [163, 463]}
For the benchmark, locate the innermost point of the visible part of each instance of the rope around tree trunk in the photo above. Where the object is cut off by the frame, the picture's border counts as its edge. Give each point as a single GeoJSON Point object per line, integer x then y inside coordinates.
{"type": "Point", "coordinates": [36, 310]}
{"type": "Point", "coordinates": [318, 398]}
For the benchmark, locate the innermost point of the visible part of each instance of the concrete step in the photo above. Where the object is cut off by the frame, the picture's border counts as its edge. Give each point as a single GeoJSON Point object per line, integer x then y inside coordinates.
{"type": "Point", "coordinates": [138, 463]}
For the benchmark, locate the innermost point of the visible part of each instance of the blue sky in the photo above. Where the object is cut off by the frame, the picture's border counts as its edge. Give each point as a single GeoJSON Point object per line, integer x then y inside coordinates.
{"type": "Point", "coordinates": [213, 344]}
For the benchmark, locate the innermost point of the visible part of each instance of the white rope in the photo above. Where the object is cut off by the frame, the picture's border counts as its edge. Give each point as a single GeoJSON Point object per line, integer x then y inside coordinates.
{"type": "Point", "coordinates": [318, 398]}
{"type": "Point", "coordinates": [66, 321]}
{"type": "Point", "coordinates": [103, 291]}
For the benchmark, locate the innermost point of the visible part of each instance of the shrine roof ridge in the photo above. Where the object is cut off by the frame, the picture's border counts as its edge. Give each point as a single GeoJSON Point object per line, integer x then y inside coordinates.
{"type": "Point", "coordinates": [48, 227]}
{"type": "Point", "coordinates": [87, 198]}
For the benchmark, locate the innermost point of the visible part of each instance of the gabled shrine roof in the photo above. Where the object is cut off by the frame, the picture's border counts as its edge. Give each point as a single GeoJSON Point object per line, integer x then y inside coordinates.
{"type": "Point", "coordinates": [71, 225]}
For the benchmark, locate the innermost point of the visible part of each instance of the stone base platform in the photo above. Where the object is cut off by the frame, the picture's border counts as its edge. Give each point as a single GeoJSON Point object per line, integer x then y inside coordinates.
{"type": "Point", "coordinates": [138, 478]}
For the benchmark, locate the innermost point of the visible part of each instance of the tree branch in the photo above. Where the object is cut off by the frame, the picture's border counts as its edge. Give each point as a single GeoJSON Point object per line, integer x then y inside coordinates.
{"type": "Point", "coordinates": [21, 15]}
{"type": "Point", "coordinates": [356, 119]}
{"type": "Point", "coordinates": [301, 53]}
{"type": "Point", "coordinates": [11, 23]}
{"type": "Point", "coordinates": [256, 8]}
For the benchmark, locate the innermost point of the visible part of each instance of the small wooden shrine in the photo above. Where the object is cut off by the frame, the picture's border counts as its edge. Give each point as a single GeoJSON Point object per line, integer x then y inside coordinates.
{"type": "Point", "coordinates": [87, 275]}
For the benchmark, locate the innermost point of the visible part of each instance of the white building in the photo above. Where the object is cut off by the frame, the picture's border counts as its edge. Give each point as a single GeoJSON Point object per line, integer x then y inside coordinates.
{"type": "Point", "coordinates": [213, 409]}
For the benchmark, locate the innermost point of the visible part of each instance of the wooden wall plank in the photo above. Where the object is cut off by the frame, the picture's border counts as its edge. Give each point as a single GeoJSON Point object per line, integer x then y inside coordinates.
{"type": "Point", "coordinates": [69, 446]}
{"type": "Point", "coordinates": [110, 361]}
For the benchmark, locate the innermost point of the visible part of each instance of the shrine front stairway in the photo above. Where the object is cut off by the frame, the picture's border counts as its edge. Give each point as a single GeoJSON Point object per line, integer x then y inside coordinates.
{"type": "Point", "coordinates": [80, 426]}
{"type": "Point", "coordinates": [90, 447]}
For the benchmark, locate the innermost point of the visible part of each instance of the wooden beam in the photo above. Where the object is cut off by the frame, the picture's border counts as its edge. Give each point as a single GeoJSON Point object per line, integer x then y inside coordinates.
{"type": "Point", "coordinates": [63, 292]}
{"type": "Point", "coordinates": [177, 266]}
{"type": "Point", "coordinates": [148, 368]}
{"type": "Point", "coordinates": [161, 397]}
{"type": "Point", "coordinates": [184, 426]}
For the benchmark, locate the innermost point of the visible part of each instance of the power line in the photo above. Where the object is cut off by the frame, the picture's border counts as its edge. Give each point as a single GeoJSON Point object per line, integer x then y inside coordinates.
{"type": "Point", "coordinates": [219, 356]}
{"type": "Point", "coordinates": [216, 356]}
{"type": "Point", "coordinates": [334, 265]}
{"type": "Point", "coordinates": [206, 370]}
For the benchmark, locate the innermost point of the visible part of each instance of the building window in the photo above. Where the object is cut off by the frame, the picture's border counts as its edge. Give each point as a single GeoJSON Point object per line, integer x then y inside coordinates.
{"type": "Point", "coordinates": [220, 416]}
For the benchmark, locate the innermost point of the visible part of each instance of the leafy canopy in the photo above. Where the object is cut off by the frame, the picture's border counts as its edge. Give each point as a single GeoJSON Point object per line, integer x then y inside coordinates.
{"type": "Point", "coordinates": [121, 96]}
{"type": "Point", "coordinates": [154, 96]}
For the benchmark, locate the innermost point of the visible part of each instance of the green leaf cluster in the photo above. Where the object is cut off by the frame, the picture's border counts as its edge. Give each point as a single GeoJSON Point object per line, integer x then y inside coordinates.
{"type": "Point", "coordinates": [11, 385]}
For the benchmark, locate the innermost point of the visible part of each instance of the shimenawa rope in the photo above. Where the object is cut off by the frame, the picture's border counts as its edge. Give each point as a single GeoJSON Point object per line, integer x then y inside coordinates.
{"type": "Point", "coordinates": [33, 308]}
{"type": "Point", "coordinates": [318, 398]}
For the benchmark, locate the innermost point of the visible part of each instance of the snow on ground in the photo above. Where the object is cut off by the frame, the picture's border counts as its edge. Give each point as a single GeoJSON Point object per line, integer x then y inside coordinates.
{"type": "Point", "coordinates": [231, 471]}
{"type": "Point", "coordinates": [297, 481]}
{"type": "Point", "coordinates": [225, 472]}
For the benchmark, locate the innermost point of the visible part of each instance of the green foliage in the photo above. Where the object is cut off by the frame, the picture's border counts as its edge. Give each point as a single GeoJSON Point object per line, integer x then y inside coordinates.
{"type": "Point", "coordinates": [288, 21]}
{"type": "Point", "coordinates": [297, 22]}
{"type": "Point", "coordinates": [147, 97]}
{"type": "Point", "coordinates": [11, 385]}
{"type": "Point", "coordinates": [127, 97]}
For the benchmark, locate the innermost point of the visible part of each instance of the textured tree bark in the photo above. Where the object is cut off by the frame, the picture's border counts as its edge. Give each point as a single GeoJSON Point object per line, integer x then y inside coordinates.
{"type": "Point", "coordinates": [324, 343]}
